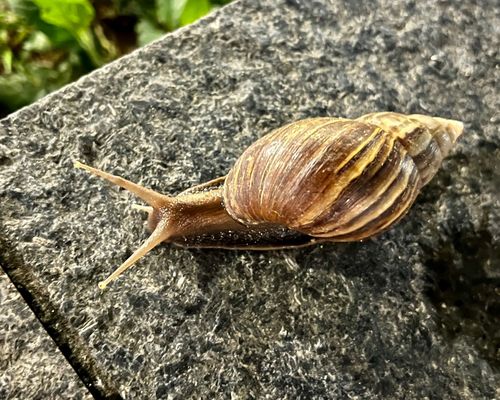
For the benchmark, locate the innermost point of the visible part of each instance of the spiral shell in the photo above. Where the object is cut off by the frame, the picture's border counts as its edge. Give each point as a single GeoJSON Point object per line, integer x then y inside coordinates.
{"type": "Point", "coordinates": [335, 178]}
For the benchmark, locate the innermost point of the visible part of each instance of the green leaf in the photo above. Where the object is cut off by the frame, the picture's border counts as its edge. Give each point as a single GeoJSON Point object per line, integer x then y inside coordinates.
{"type": "Point", "coordinates": [37, 42]}
{"type": "Point", "coordinates": [59, 37]}
{"type": "Point", "coordinates": [194, 10]}
{"type": "Point", "coordinates": [169, 12]}
{"type": "Point", "coordinates": [28, 18]}
{"type": "Point", "coordinates": [73, 15]}
{"type": "Point", "coordinates": [7, 57]}
{"type": "Point", "coordinates": [147, 32]}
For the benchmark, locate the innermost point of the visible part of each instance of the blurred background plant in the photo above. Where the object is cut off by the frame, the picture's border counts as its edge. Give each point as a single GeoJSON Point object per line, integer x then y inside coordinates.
{"type": "Point", "coordinates": [45, 44]}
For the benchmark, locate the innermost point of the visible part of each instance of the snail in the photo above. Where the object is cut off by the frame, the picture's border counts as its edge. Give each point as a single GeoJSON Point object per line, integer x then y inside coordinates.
{"type": "Point", "coordinates": [311, 181]}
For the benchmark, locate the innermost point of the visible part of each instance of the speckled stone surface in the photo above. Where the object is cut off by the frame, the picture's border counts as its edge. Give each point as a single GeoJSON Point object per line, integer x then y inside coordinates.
{"type": "Point", "coordinates": [410, 314]}
{"type": "Point", "coordinates": [31, 366]}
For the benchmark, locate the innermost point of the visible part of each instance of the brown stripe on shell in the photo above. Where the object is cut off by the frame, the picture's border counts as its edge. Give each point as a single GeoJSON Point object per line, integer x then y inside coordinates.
{"type": "Point", "coordinates": [288, 155]}
{"type": "Point", "coordinates": [377, 196]}
{"type": "Point", "coordinates": [428, 161]}
{"type": "Point", "coordinates": [416, 140]}
{"type": "Point", "coordinates": [444, 141]}
{"type": "Point", "coordinates": [263, 170]}
{"type": "Point", "coordinates": [251, 165]}
{"type": "Point", "coordinates": [341, 167]}
{"type": "Point", "coordinates": [317, 171]}
{"type": "Point", "coordinates": [280, 188]}
{"type": "Point", "coordinates": [393, 123]}
{"type": "Point", "coordinates": [396, 200]}
{"type": "Point", "coordinates": [340, 180]}
{"type": "Point", "coordinates": [426, 138]}
{"type": "Point", "coordinates": [404, 203]}
{"type": "Point", "coordinates": [286, 158]}
{"type": "Point", "coordinates": [361, 192]}
{"type": "Point", "coordinates": [249, 171]}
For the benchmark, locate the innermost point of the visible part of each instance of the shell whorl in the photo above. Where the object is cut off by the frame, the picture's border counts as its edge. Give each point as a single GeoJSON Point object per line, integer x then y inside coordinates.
{"type": "Point", "coordinates": [428, 140]}
{"type": "Point", "coordinates": [338, 178]}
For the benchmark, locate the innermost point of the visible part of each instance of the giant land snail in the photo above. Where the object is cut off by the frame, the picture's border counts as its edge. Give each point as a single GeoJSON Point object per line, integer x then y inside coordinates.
{"type": "Point", "coordinates": [312, 181]}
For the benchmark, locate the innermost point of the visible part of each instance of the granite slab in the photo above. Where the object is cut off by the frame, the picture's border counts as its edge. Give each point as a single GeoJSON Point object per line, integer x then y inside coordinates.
{"type": "Point", "coordinates": [31, 365]}
{"type": "Point", "coordinates": [410, 314]}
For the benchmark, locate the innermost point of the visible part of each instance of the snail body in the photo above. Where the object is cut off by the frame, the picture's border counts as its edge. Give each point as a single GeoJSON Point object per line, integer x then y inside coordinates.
{"type": "Point", "coordinates": [314, 180]}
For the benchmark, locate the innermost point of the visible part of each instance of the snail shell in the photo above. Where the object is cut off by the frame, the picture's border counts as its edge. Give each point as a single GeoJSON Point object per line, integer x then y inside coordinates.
{"type": "Point", "coordinates": [314, 180]}
{"type": "Point", "coordinates": [338, 178]}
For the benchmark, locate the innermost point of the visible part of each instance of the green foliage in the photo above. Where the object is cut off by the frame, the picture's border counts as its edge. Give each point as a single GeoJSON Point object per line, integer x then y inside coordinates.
{"type": "Point", "coordinates": [74, 16]}
{"type": "Point", "coordinates": [45, 44]}
{"type": "Point", "coordinates": [193, 10]}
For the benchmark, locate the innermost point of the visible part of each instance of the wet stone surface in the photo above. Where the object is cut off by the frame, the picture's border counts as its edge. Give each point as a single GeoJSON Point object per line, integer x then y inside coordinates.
{"type": "Point", "coordinates": [409, 314]}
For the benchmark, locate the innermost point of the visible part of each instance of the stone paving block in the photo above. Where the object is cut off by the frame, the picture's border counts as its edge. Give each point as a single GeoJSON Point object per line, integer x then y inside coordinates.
{"type": "Point", "coordinates": [31, 365]}
{"type": "Point", "coordinates": [354, 320]}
